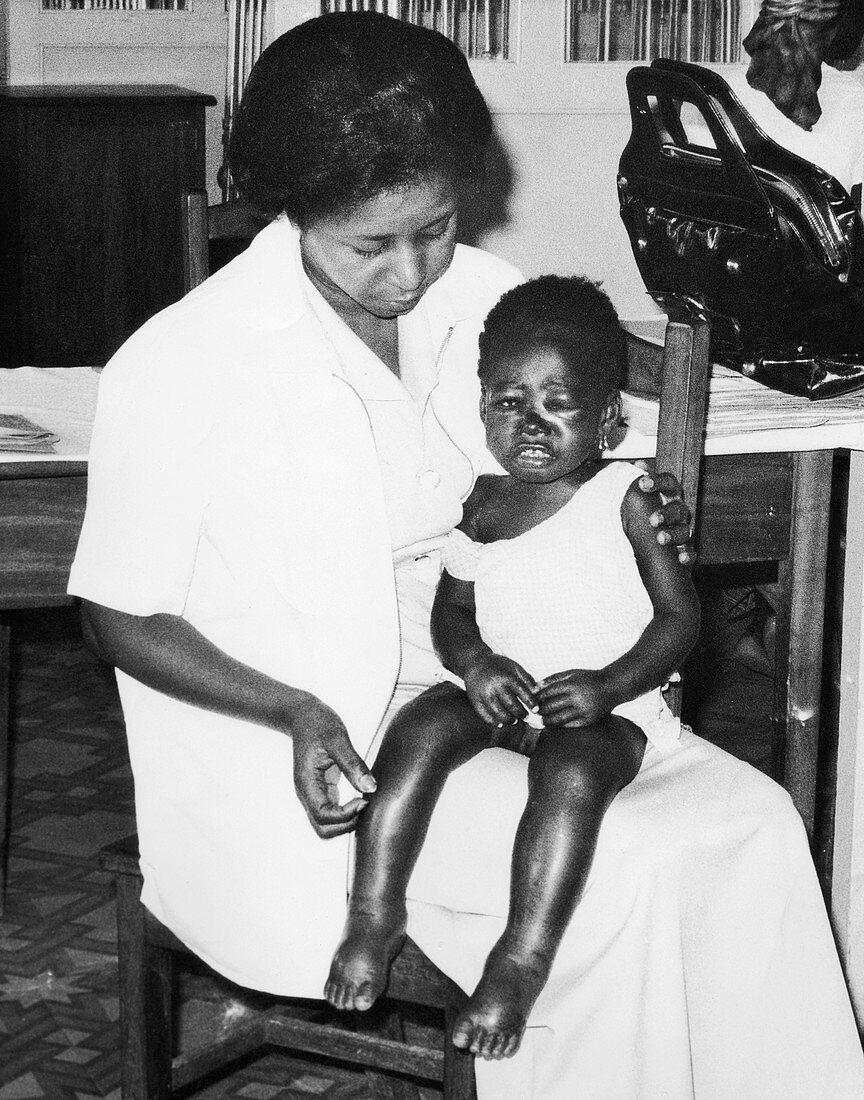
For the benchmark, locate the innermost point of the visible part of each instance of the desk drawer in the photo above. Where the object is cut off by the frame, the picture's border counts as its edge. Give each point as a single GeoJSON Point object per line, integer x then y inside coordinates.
{"type": "Point", "coordinates": [40, 518]}
{"type": "Point", "coordinates": [744, 508]}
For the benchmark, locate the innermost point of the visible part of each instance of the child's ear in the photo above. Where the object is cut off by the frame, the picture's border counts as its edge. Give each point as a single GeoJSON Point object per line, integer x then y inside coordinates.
{"type": "Point", "coordinates": [483, 404]}
{"type": "Point", "coordinates": [612, 424]}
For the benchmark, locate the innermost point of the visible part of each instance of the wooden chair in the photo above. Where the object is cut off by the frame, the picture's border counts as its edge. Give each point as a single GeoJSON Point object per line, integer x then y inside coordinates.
{"type": "Point", "coordinates": [147, 952]}
{"type": "Point", "coordinates": [212, 235]}
{"type": "Point", "coordinates": [777, 512]}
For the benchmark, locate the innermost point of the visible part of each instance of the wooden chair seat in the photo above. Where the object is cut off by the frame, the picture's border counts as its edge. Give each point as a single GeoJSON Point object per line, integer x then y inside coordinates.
{"type": "Point", "coordinates": [147, 951]}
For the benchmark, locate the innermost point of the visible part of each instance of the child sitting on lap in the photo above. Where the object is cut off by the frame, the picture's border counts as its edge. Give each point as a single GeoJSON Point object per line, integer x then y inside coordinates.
{"type": "Point", "coordinates": [562, 616]}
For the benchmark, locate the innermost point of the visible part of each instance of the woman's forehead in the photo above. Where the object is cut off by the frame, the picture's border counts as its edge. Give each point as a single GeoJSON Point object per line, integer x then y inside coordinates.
{"type": "Point", "coordinates": [396, 212]}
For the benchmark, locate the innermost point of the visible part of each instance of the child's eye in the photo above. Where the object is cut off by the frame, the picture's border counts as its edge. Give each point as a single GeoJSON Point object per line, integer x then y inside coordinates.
{"type": "Point", "coordinates": [506, 403]}
{"type": "Point", "coordinates": [376, 251]}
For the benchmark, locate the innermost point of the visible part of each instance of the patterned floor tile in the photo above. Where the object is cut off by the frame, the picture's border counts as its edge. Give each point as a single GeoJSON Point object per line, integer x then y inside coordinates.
{"type": "Point", "coordinates": [72, 794]}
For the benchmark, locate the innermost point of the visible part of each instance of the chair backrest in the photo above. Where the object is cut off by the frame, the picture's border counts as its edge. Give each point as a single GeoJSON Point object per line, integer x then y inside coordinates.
{"type": "Point", "coordinates": [208, 231]}
{"type": "Point", "coordinates": [680, 372]}
{"type": "Point", "coordinates": [683, 406]}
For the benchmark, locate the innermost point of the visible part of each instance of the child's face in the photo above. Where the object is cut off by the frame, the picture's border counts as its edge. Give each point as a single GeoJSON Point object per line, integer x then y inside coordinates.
{"type": "Point", "coordinates": [544, 416]}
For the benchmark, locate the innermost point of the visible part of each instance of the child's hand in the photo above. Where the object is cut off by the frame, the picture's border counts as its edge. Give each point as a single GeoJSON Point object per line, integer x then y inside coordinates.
{"type": "Point", "coordinates": [576, 697]}
{"type": "Point", "coordinates": [500, 690]}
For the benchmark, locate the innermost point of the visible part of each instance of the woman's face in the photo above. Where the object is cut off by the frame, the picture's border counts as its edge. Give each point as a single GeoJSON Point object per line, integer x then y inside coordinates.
{"type": "Point", "coordinates": [382, 256]}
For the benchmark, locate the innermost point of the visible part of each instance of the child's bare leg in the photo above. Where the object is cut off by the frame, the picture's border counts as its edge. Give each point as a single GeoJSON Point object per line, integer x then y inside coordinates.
{"type": "Point", "coordinates": [573, 775]}
{"type": "Point", "coordinates": [432, 735]}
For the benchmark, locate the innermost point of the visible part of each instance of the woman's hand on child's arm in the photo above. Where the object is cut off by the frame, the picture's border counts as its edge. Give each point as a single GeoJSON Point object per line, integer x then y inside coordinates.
{"type": "Point", "coordinates": [672, 520]}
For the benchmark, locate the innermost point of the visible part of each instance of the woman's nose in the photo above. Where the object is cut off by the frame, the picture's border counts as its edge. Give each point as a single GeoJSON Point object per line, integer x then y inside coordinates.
{"type": "Point", "coordinates": [408, 268]}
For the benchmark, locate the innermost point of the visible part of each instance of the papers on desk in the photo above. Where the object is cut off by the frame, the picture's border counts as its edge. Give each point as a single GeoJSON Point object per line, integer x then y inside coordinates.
{"type": "Point", "coordinates": [17, 433]}
{"type": "Point", "coordinates": [737, 404]}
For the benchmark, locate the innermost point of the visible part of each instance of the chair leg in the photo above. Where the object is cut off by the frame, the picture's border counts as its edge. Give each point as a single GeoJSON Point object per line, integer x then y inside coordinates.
{"type": "Point", "coordinates": [5, 756]}
{"type": "Point", "coordinates": [145, 1001]}
{"type": "Point", "coordinates": [386, 1021]}
{"type": "Point", "coordinates": [459, 1080]}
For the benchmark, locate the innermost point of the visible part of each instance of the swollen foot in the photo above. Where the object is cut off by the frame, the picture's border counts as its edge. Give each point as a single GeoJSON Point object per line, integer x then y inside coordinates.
{"type": "Point", "coordinates": [492, 1022]}
{"type": "Point", "coordinates": [361, 965]}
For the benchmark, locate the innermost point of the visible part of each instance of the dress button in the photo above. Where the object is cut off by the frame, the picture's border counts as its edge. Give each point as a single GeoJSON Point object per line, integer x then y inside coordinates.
{"type": "Point", "coordinates": [429, 479]}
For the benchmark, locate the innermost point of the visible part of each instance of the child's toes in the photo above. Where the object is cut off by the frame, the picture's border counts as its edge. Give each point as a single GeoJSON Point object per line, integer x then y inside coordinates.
{"type": "Point", "coordinates": [501, 1046]}
{"type": "Point", "coordinates": [463, 1033]}
{"type": "Point", "coordinates": [363, 998]}
{"type": "Point", "coordinates": [339, 995]}
{"type": "Point", "coordinates": [486, 1041]}
{"type": "Point", "coordinates": [513, 1044]}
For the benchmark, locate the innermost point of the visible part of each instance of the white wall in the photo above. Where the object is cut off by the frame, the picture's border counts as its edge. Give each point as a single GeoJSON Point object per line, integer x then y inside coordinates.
{"type": "Point", "coordinates": [563, 211]}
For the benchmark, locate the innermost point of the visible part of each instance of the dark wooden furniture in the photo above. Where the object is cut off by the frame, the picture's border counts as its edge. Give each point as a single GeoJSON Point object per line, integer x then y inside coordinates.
{"type": "Point", "coordinates": [88, 239]}
{"type": "Point", "coordinates": [147, 951]}
{"type": "Point", "coordinates": [212, 235]}
{"type": "Point", "coordinates": [41, 506]}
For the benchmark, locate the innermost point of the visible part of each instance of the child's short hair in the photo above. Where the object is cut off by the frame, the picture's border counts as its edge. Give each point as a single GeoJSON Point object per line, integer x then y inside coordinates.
{"type": "Point", "coordinates": [569, 312]}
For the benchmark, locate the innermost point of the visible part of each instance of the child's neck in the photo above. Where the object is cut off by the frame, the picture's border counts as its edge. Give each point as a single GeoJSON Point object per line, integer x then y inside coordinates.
{"type": "Point", "coordinates": [525, 504]}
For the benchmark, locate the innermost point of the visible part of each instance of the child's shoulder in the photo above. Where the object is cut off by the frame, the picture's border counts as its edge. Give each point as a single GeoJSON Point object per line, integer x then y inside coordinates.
{"type": "Point", "coordinates": [486, 492]}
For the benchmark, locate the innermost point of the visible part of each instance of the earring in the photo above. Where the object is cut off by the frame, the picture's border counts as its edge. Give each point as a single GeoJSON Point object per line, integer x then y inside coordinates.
{"type": "Point", "coordinates": [602, 440]}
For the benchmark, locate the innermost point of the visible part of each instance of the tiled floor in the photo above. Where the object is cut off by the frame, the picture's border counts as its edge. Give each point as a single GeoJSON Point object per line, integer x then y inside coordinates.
{"type": "Point", "coordinates": [72, 794]}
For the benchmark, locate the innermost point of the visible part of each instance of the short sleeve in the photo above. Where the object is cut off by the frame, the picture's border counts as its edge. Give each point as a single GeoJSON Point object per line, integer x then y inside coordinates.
{"type": "Point", "coordinates": [461, 555]}
{"type": "Point", "coordinates": [146, 486]}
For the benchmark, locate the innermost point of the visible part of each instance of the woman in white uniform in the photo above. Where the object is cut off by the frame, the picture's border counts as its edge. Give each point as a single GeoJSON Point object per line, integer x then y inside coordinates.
{"type": "Point", "coordinates": [276, 461]}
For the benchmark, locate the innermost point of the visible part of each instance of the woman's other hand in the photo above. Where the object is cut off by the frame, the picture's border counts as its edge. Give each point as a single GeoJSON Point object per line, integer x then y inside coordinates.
{"type": "Point", "coordinates": [673, 520]}
{"type": "Point", "coordinates": [170, 655]}
{"type": "Point", "coordinates": [322, 754]}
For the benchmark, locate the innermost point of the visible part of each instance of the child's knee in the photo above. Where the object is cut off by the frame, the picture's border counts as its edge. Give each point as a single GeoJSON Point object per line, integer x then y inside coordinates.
{"type": "Point", "coordinates": [442, 721]}
{"type": "Point", "coordinates": [583, 765]}
{"type": "Point", "coordinates": [570, 771]}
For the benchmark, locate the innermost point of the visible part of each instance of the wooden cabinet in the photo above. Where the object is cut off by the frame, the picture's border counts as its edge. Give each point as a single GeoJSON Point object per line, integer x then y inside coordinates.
{"type": "Point", "coordinates": [91, 178]}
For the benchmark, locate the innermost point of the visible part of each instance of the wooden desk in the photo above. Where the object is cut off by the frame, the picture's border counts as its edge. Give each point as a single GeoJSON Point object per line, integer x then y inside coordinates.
{"type": "Point", "coordinates": [41, 507]}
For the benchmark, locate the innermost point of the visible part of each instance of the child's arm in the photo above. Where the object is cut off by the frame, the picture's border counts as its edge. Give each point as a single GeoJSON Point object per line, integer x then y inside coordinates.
{"type": "Point", "coordinates": [495, 685]}
{"type": "Point", "coordinates": [500, 690]}
{"type": "Point", "coordinates": [577, 697]}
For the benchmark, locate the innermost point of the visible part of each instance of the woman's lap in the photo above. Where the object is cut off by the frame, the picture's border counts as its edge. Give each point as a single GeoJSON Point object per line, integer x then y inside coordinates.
{"type": "Point", "coordinates": [699, 959]}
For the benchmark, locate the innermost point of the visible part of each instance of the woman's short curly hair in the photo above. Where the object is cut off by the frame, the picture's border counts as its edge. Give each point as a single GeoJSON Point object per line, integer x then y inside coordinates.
{"type": "Point", "coordinates": [567, 312]}
{"type": "Point", "coordinates": [347, 105]}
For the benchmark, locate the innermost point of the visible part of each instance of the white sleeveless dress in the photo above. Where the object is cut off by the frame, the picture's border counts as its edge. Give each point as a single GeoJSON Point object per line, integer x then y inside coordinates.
{"type": "Point", "coordinates": [567, 593]}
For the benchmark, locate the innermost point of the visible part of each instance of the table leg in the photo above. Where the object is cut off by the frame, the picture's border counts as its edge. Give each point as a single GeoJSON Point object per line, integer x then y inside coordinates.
{"type": "Point", "coordinates": [4, 755]}
{"type": "Point", "coordinates": [799, 668]}
{"type": "Point", "coordinates": [847, 883]}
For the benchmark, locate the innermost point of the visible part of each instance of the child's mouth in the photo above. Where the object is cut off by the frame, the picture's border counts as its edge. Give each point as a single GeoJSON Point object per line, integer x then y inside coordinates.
{"type": "Point", "coordinates": [532, 455]}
